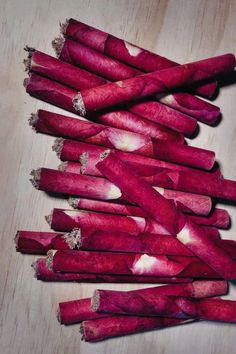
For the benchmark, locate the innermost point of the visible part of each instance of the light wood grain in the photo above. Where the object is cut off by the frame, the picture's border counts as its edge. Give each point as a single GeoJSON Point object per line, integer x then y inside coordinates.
{"type": "Point", "coordinates": [182, 30]}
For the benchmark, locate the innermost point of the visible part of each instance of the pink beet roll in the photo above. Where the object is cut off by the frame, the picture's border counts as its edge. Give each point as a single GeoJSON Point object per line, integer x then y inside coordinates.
{"type": "Point", "coordinates": [124, 51]}
{"type": "Point", "coordinates": [117, 139]}
{"type": "Point", "coordinates": [40, 242]}
{"type": "Point", "coordinates": [141, 243]}
{"type": "Point", "coordinates": [192, 235]}
{"type": "Point", "coordinates": [160, 173]}
{"type": "Point", "coordinates": [112, 94]}
{"type": "Point", "coordinates": [69, 127]}
{"type": "Point", "coordinates": [165, 305]}
{"type": "Point", "coordinates": [61, 96]}
{"type": "Point", "coordinates": [43, 273]}
{"type": "Point", "coordinates": [128, 264]}
{"type": "Point", "coordinates": [201, 110]}
{"type": "Point", "coordinates": [55, 69]}
{"type": "Point", "coordinates": [114, 326]}
{"type": "Point", "coordinates": [183, 202]}
{"type": "Point", "coordinates": [165, 115]}
{"type": "Point", "coordinates": [60, 125]}
{"type": "Point", "coordinates": [80, 310]}
{"type": "Point", "coordinates": [67, 220]}
{"type": "Point", "coordinates": [78, 79]}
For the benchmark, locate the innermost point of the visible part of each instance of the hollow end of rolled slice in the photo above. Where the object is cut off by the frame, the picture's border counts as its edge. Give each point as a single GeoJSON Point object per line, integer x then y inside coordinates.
{"type": "Point", "coordinates": [104, 154]}
{"type": "Point", "coordinates": [33, 119]}
{"type": "Point", "coordinates": [57, 44]}
{"type": "Point", "coordinates": [16, 239]}
{"type": "Point", "coordinates": [83, 159]}
{"type": "Point", "coordinates": [63, 26]}
{"type": "Point", "coordinates": [73, 239]}
{"type": "Point", "coordinates": [35, 267]}
{"type": "Point", "coordinates": [27, 61]}
{"type": "Point", "coordinates": [82, 331]}
{"type": "Point", "coordinates": [57, 146]}
{"type": "Point", "coordinates": [26, 82]}
{"type": "Point", "coordinates": [58, 314]}
{"type": "Point", "coordinates": [78, 104]}
{"type": "Point", "coordinates": [49, 259]}
{"type": "Point", "coordinates": [62, 166]}
{"type": "Point", "coordinates": [73, 202]}
{"type": "Point", "coordinates": [48, 218]}
{"type": "Point", "coordinates": [35, 177]}
{"type": "Point", "coordinates": [95, 300]}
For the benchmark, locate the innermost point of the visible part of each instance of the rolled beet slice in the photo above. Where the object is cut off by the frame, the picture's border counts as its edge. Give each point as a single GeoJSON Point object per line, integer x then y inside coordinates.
{"type": "Point", "coordinates": [68, 183]}
{"type": "Point", "coordinates": [145, 243]}
{"type": "Point", "coordinates": [78, 79]}
{"type": "Point", "coordinates": [41, 242]}
{"type": "Point", "coordinates": [80, 310]}
{"type": "Point", "coordinates": [180, 199]}
{"type": "Point", "coordinates": [127, 141]}
{"type": "Point", "coordinates": [114, 326]}
{"type": "Point", "coordinates": [128, 264]}
{"type": "Point", "coordinates": [165, 305]}
{"type": "Point", "coordinates": [124, 51]}
{"type": "Point", "coordinates": [42, 272]}
{"type": "Point", "coordinates": [136, 88]}
{"type": "Point", "coordinates": [187, 231]}
{"type": "Point", "coordinates": [67, 220]}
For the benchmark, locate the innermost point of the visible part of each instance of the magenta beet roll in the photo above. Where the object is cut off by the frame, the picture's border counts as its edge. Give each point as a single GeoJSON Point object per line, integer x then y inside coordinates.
{"type": "Point", "coordinates": [114, 326]}
{"type": "Point", "coordinates": [112, 94]}
{"type": "Point", "coordinates": [42, 272]}
{"type": "Point", "coordinates": [122, 140]}
{"type": "Point", "coordinates": [128, 264]}
{"type": "Point", "coordinates": [124, 51]}
{"type": "Point", "coordinates": [189, 233]}
{"type": "Point", "coordinates": [81, 310]}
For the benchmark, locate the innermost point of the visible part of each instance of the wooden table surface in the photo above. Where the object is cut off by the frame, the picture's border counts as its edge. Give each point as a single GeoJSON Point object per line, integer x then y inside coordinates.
{"type": "Point", "coordinates": [182, 30]}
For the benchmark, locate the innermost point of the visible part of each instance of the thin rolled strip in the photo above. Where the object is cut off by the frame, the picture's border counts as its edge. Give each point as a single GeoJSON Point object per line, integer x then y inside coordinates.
{"type": "Point", "coordinates": [145, 243]}
{"type": "Point", "coordinates": [78, 79]}
{"type": "Point", "coordinates": [68, 183]}
{"type": "Point", "coordinates": [166, 305]}
{"type": "Point", "coordinates": [128, 264]}
{"type": "Point", "coordinates": [124, 51]}
{"type": "Point", "coordinates": [157, 82]}
{"type": "Point", "coordinates": [127, 209]}
{"type": "Point", "coordinates": [41, 242]}
{"type": "Point", "coordinates": [114, 326]}
{"type": "Point", "coordinates": [67, 220]}
{"type": "Point", "coordinates": [192, 235]}
{"type": "Point", "coordinates": [123, 140]}
{"type": "Point", "coordinates": [163, 299]}
{"type": "Point", "coordinates": [80, 310]}
{"type": "Point", "coordinates": [42, 272]}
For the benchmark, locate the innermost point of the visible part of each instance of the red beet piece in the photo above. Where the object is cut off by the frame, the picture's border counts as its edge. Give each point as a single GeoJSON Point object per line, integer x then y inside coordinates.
{"type": "Point", "coordinates": [140, 302]}
{"type": "Point", "coordinates": [114, 326]}
{"type": "Point", "coordinates": [43, 273]}
{"type": "Point", "coordinates": [69, 183]}
{"type": "Point", "coordinates": [127, 209]}
{"type": "Point", "coordinates": [124, 51]}
{"type": "Point", "coordinates": [68, 127]}
{"type": "Point", "coordinates": [191, 105]}
{"type": "Point", "coordinates": [112, 94]}
{"type": "Point", "coordinates": [40, 242]}
{"type": "Point", "coordinates": [55, 69]}
{"type": "Point", "coordinates": [219, 218]}
{"type": "Point", "coordinates": [192, 235]}
{"type": "Point", "coordinates": [128, 264]}
{"type": "Point", "coordinates": [162, 114]}
{"type": "Point", "coordinates": [78, 79]}
{"type": "Point", "coordinates": [166, 305]}
{"type": "Point", "coordinates": [66, 220]}
{"type": "Point", "coordinates": [80, 310]}
{"type": "Point", "coordinates": [142, 243]}
{"type": "Point", "coordinates": [60, 125]}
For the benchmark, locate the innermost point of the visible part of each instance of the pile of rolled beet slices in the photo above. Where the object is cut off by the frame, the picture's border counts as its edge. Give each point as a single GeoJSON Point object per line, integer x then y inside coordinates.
{"type": "Point", "coordinates": [142, 198]}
